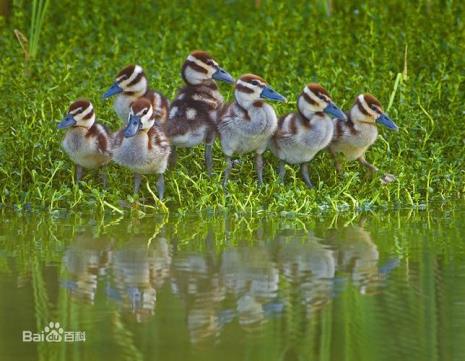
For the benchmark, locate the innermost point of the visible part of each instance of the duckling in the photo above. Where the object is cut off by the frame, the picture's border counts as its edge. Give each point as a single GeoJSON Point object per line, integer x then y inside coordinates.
{"type": "Point", "coordinates": [248, 124]}
{"type": "Point", "coordinates": [301, 135]}
{"type": "Point", "coordinates": [142, 145]}
{"type": "Point", "coordinates": [131, 83]}
{"type": "Point", "coordinates": [193, 114]}
{"type": "Point", "coordinates": [354, 135]}
{"type": "Point", "coordinates": [86, 142]}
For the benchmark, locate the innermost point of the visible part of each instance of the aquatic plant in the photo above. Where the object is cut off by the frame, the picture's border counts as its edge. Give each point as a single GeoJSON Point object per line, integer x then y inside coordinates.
{"type": "Point", "coordinates": [39, 10]}
{"type": "Point", "coordinates": [30, 46]}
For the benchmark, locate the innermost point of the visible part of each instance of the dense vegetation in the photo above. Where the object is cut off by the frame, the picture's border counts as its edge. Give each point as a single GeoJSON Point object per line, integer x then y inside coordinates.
{"type": "Point", "coordinates": [408, 53]}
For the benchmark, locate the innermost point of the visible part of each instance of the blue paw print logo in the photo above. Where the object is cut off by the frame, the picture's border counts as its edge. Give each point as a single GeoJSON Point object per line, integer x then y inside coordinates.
{"type": "Point", "coordinates": [54, 333]}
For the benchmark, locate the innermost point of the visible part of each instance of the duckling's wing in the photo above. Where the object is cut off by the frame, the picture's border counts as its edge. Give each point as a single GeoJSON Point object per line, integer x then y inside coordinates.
{"type": "Point", "coordinates": [157, 138]}
{"type": "Point", "coordinates": [117, 138]}
{"type": "Point", "coordinates": [226, 118]}
{"type": "Point", "coordinates": [160, 104]}
{"type": "Point", "coordinates": [103, 139]}
{"type": "Point", "coordinates": [285, 133]}
{"type": "Point", "coordinates": [340, 126]}
{"type": "Point", "coordinates": [285, 137]}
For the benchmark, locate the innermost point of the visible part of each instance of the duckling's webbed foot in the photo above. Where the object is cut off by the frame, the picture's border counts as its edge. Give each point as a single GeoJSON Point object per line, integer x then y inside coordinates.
{"type": "Point", "coordinates": [137, 180]}
{"type": "Point", "coordinates": [371, 168]}
{"type": "Point", "coordinates": [387, 178]}
{"type": "Point", "coordinates": [209, 158]}
{"type": "Point", "coordinates": [79, 173]}
{"type": "Point", "coordinates": [259, 168]}
{"type": "Point", "coordinates": [281, 171]}
{"type": "Point", "coordinates": [337, 164]}
{"type": "Point", "coordinates": [227, 171]}
{"type": "Point", "coordinates": [305, 175]}
{"type": "Point", "coordinates": [161, 186]}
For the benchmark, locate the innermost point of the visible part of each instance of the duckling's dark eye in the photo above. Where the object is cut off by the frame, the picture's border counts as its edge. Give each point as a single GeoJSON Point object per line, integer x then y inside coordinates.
{"type": "Point", "coordinates": [254, 82]}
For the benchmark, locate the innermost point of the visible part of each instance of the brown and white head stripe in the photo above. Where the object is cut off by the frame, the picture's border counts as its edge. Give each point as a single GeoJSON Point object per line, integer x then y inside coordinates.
{"type": "Point", "coordinates": [251, 84]}
{"type": "Point", "coordinates": [200, 67]}
{"type": "Point", "coordinates": [141, 117]}
{"type": "Point", "coordinates": [130, 81]}
{"type": "Point", "coordinates": [250, 88]}
{"type": "Point", "coordinates": [144, 110]}
{"type": "Point", "coordinates": [80, 114]}
{"type": "Point", "coordinates": [316, 99]}
{"type": "Point", "coordinates": [368, 109]}
{"type": "Point", "coordinates": [369, 106]}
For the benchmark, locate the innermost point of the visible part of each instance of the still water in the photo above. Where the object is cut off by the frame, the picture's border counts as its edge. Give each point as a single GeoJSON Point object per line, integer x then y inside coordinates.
{"type": "Point", "coordinates": [381, 286]}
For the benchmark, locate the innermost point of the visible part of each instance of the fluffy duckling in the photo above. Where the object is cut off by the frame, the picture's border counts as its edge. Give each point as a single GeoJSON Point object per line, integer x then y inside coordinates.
{"type": "Point", "coordinates": [248, 124]}
{"type": "Point", "coordinates": [86, 142]}
{"type": "Point", "coordinates": [193, 114]}
{"type": "Point", "coordinates": [130, 84]}
{"type": "Point", "coordinates": [301, 135]}
{"type": "Point", "coordinates": [354, 135]}
{"type": "Point", "coordinates": [143, 146]}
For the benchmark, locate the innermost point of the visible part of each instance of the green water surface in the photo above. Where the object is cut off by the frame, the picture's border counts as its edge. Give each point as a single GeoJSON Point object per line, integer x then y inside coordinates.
{"type": "Point", "coordinates": [382, 286]}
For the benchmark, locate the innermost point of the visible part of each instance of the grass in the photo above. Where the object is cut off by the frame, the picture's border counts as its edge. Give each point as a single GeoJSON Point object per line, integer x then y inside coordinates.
{"type": "Point", "coordinates": [360, 47]}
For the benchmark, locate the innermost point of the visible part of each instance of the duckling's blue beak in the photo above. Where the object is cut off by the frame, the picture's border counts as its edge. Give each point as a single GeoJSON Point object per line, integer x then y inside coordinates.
{"type": "Point", "coordinates": [333, 110]}
{"type": "Point", "coordinates": [133, 126]}
{"type": "Point", "coordinates": [67, 122]}
{"type": "Point", "coordinates": [387, 122]}
{"type": "Point", "coordinates": [270, 93]}
{"type": "Point", "coordinates": [223, 75]}
{"type": "Point", "coordinates": [114, 89]}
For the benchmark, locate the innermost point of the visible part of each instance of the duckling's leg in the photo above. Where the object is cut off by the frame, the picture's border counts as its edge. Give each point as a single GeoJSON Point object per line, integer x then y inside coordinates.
{"type": "Point", "coordinates": [337, 164]}
{"type": "Point", "coordinates": [305, 176]}
{"type": "Point", "coordinates": [209, 158]}
{"type": "Point", "coordinates": [210, 138]}
{"type": "Point", "coordinates": [173, 157]}
{"type": "Point", "coordinates": [79, 173]}
{"type": "Point", "coordinates": [161, 186]}
{"type": "Point", "coordinates": [259, 168]}
{"type": "Point", "coordinates": [227, 171]}
{"type": "Point", "coordinates": [137, 180]}
{"type": "Point", "coordinates": [282, 171]}
{"type": "Point", "coordinates": [371, 168]}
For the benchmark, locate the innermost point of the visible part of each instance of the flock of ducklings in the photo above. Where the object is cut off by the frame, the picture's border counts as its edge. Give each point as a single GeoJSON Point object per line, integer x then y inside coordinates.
{"type": "Point", "coordinates": [153, 127]}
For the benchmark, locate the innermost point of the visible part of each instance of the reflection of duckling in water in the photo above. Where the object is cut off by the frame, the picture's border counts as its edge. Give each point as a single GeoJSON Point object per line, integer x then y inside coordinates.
{"type": "Point", "coordinates": [138, 272]}
{"type": "Point", "coordinates": [307, 264]}
{"type": "Point", "coordinates": [162, 262]}
{"type": "Point", "coordinates": [357, 256]}
{"type": "Point", "coordinates": [252, 278]}
{"type": "Point", "coordinates": [195, 280]}
{"type": "Point", "coordinates": [250, 312]}
{"type": "Point", "coordinates": [86, 259]}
